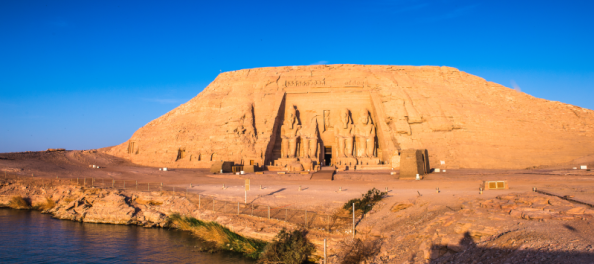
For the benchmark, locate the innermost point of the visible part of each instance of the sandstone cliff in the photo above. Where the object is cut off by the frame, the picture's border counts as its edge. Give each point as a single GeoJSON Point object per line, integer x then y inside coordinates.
{"type": "Point", "coordinates": [462, 119]}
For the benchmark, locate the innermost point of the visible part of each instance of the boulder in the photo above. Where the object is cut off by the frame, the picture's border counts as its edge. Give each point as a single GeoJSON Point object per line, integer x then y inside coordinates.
{"type": "Point", "coordinates": [112, 209]}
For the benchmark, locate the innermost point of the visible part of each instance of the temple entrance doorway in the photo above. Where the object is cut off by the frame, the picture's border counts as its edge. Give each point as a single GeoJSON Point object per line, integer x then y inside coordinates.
{"type": "Point", "coordinates": [327, 156]}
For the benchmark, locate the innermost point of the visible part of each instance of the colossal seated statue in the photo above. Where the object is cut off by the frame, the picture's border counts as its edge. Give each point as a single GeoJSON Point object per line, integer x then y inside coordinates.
{"type": "Point", "coordinates": [343, 131]}
{"type": "Point", "coordinates": [289, 134]}
{"type": "Point", "coordinates": [365, 133]}
{"type": "Point", "coordinates": [309, 138]}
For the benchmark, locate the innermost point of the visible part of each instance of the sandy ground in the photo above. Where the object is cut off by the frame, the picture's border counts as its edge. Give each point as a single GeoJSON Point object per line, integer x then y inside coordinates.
{"type": "Point", "coordinates": [403, 234]}
{"type": "Point", "coordinates": [283, 190]}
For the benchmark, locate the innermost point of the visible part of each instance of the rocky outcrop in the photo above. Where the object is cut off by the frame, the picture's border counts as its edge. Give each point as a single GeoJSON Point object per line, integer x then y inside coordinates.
{"type": "Point", "coordinates": [112, 209]}
{"type": "Point", "coordinates": [109, 206]}
{"type": "Point", "coordinates": [100, 205]}
{"type": "Point", "coordinates": [538, 207]}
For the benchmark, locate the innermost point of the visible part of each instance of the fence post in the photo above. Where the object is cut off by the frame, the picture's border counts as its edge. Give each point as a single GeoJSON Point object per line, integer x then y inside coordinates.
{"type": "Point", "coordinates": [325, 261]}
{"type": "Point", "coordinates": [237, 208]}
{"type": "Point", "coordinates": [353, 220]}
{"type": "Point", "coordinates": [148, 186]}
{"type": "Point", "coordinates": [84, 181]}
{"type": "Point", "coordinates": [305, 218]}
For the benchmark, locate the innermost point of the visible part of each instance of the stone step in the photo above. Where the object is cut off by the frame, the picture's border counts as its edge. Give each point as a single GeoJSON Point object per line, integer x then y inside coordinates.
{"type": "Point", "coordinates": [324, 174]}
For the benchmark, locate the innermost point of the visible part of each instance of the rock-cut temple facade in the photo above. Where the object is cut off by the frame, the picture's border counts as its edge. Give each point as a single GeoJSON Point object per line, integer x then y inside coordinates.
{"type": "Point", "coordinates": [361, 117]}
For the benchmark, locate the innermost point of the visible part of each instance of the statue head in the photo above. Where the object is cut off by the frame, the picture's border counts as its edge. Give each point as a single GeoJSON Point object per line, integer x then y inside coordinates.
{"type": "Point", "coordinates": [291, 116]}
{"type": "Point", "coordinates": [344, 117]}
{"type": "Point", "coordinates": [364, 116]}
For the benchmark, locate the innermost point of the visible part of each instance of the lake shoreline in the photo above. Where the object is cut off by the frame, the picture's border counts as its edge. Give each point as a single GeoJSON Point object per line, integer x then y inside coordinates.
{"type": "Point", "coordinates": [117, 207]}
{"type": "Point", "coordinates": [32, 237]}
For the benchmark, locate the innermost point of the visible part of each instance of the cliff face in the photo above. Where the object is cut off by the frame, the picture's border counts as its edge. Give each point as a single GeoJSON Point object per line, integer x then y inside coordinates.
{"type": "Point", "coordinates": [462, 120]}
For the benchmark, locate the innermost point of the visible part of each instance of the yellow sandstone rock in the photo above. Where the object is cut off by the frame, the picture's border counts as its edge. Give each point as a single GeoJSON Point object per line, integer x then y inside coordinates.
{"type": "Point", "coordinates": [461, 119]}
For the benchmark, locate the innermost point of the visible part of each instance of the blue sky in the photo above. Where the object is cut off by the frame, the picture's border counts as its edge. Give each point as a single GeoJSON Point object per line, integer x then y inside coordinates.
{"type": "Point", "coordinates": [84, 74]}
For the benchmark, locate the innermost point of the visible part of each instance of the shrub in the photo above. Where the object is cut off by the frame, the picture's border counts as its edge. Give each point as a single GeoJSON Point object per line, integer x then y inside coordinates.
{"type": "Point", "coordinates": [358, 251]}
{"type": "Point", "coordinates": [365, 203]}
{"type": "Point", "coordinates": [288, 247]}
{"type": "Point", "coordinates": [220, 236]}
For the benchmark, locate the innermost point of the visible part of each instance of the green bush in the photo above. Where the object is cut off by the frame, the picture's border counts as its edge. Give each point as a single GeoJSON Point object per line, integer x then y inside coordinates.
{"type": "Point", "coordinates": [288, 247]}
{"type": "Point", "coordinates": [222, 237]}
{"type": "Point", "coordinates": [365, 203]}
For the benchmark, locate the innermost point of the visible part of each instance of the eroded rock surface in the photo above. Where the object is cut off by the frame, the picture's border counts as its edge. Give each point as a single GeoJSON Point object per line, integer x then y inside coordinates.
{"type": "Point", "coordinates": [460, 118]}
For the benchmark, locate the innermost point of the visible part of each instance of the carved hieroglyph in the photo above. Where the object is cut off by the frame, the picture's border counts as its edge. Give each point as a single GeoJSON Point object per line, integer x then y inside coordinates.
{"type": "Point", "coordinates": [343, 131]}
{"type": "Point", "coordinates": [290, 134]}
{"type": "Point", "coordinates": [365, 133]}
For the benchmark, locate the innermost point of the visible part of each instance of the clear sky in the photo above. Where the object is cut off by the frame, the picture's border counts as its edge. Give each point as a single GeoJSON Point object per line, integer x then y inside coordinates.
{"type": "Point", "coordinates": [87, 74]}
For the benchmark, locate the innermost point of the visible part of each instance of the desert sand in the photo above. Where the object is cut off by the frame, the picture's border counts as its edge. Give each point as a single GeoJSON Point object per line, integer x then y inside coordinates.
{"type": "Point", "coordinates": [457, 224]}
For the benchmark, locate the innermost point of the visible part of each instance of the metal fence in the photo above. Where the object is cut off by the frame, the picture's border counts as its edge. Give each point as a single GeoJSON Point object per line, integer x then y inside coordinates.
{"type": "Point", "coordinates": [305, 218]}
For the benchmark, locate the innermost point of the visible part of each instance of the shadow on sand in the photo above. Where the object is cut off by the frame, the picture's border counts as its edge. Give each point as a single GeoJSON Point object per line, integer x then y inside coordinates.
{"type": "Point", "coordinates": [470, 252]}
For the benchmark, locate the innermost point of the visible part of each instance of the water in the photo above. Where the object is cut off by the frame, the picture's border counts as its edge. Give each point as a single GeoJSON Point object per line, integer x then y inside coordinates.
{"type": "Point", "coordinates": [32, 237]}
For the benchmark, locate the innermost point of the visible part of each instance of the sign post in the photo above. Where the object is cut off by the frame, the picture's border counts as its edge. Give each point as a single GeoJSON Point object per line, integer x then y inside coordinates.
{"type": "Point", "coordinates": [353, 220]}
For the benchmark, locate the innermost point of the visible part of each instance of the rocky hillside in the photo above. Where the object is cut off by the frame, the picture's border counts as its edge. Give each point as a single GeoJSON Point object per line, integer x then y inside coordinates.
{"type": "Point", "coordinates": [462, 119]}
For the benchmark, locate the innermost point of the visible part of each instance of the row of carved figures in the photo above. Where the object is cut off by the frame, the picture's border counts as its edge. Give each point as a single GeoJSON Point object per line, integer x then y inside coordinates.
{"type": "Point", "coordinates": [291, 132]}
{"type": "Point", "coordinates": [345, 133]}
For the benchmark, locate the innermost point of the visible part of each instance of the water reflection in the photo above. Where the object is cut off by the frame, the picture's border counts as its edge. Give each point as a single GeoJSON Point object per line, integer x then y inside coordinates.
{"type": "Point", "coordinates": [32, 237]}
